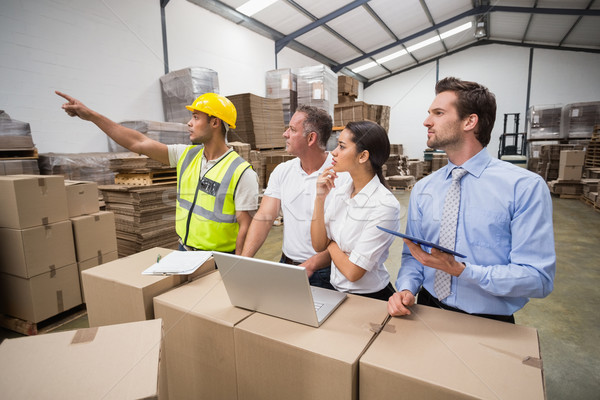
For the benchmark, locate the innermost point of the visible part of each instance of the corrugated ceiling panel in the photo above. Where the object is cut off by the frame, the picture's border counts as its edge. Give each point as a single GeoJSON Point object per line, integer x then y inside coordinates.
{"type": "Point", "coordinates": [282, 17]}
{"type": "Point", "coordinates": [442, 10]}
{"type": "Point", "coordinates": [321, 40]}
{"type": "Point", "coordinates": [428, 52]}
{"type": "Point", "coordinates": [563, 4]}
{"type": "Point", "coordinates": [234, 3]}
{"type": "Point", "coordinates": [586, 33]}
{"type": "Point", "coordinates": [321, 8]}
{"type": "Point", "coordinates": [549, 28]}
{"type": "Point", "coordinates": [508, 26]}
{"type": "Point", "coordinates": [402, 17]}
{"type": "Point", "coordinates": [359, 28]}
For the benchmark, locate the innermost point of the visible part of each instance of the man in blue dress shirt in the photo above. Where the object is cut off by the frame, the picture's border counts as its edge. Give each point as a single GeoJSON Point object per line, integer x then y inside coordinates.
{"type": "Point", "coordinates": [504, 221]}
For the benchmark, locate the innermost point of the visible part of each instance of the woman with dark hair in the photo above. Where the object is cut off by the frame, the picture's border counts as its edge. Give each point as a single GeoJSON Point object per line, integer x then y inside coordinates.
{"type": "Point", "coordinates": [348, 227]}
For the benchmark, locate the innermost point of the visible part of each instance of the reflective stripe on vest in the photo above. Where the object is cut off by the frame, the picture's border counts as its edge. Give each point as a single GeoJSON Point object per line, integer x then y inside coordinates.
{"type": "Point", "coordinates": [217, 214]}
{"type": "Point", "coordinates": [197, 196]}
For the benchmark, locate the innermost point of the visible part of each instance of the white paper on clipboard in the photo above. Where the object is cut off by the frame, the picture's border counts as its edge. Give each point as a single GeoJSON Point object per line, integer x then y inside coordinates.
{"type": "Point", "coordinates": [178, 263]}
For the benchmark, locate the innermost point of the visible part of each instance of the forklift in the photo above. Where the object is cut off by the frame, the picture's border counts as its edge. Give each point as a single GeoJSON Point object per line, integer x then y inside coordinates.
{"type": "Point", "coordinates": [512, 146]}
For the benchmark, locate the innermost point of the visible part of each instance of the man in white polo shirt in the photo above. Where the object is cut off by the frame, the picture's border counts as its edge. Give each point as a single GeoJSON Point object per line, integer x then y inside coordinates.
{"type": "Point", "coordinates": [291, 189]}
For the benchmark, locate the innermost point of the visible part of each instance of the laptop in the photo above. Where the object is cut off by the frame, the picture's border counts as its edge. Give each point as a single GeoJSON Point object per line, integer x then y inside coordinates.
{"type": "Point", "coordinates": [276, 289]}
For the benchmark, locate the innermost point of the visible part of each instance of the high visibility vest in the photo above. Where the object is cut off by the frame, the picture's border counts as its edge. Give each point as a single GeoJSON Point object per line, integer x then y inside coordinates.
{"type": "Point", "coordinates": [205, 212]}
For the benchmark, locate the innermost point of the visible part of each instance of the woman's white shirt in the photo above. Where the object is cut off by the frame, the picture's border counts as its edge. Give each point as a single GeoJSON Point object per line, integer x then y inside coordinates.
{"type": "Point", "coordinates": [352, 224]}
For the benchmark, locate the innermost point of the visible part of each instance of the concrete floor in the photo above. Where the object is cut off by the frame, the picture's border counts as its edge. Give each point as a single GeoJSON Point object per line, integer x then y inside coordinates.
{"type": "Point", "coordinates": [567, 321]}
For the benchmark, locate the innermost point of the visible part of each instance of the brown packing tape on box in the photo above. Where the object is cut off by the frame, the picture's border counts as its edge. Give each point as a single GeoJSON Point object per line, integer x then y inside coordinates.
{"type": "Point", "coordinates": [85, 335]}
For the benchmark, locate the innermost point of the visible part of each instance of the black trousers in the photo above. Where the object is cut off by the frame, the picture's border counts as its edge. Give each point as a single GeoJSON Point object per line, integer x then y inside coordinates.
{"type": "Point", "coordinates": [321, 279]}
{"type": "Point", "coordinates": [425, 298]}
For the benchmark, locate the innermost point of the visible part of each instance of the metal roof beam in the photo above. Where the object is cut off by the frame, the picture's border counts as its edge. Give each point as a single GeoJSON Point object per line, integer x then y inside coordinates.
{"type": "Point", "coordinates": [238, 18]}
{"type": "Point", "coordinates": [479, 43]}
{"type": "Point", "coordinates": [281, 43]}
{"type": "Point", "coordinates": [483, 9]}
{"type": "Point", "coordinates": [574, 24]}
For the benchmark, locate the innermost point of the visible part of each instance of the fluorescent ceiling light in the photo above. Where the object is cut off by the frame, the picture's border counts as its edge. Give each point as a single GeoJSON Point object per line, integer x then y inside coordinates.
{"type": "Point", "coordinates": [424, 43]}
{"type": "Point", "coordinates": [456, 30]}
{"type": "Point", "coordinates": [366, 66]}
{"type": "Point", "coordinates": [391, 56]}
{"type": "Point", "coordinates": [253, 6]}
{"type": "Point", "coordinates": [414, 47]}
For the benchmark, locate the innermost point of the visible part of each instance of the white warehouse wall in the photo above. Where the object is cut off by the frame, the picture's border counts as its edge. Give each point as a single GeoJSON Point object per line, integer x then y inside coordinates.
{"type": "Point", "coordinates": [109, 55]}
{"type": "Point", "coordinates": [558, 77]}
{"type": "Point", "coordinates": [199, 38]}
{"type": "Point", "coordinates": [106, 53]}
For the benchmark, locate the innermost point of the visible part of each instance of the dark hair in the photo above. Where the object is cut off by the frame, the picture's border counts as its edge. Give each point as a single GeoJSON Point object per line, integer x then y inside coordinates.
{"type": "Point", "coordinates": [370, 136]}
{"type": "Point", "coordinates": [317, 120]}
{"type": "Point", "coordinates": [473, 98]}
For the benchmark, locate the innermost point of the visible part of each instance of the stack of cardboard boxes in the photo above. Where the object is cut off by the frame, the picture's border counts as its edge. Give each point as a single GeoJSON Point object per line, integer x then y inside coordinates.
{"type": "Point", "coordinates": [570, 172]}
{"type": "Point", "coordinates": [48, 233]}
{"type": "Point", "coordinates": [17, 150]}
{"type": "Point", "coordinates": [215, 350]}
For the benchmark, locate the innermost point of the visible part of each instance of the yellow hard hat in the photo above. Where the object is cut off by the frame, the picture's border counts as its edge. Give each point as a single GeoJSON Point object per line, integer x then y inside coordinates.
{"type": "Point", "coordinates": [217, 106]}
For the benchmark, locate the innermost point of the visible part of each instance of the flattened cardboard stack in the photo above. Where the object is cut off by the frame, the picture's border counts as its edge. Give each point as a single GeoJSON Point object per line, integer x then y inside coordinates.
{"type": "Point", "coordinates": [283, 84]}
{"type": "Point", "coordinates": [359, 110]}
{"type": "Point", "coordinates": [272, 159]}
{"type": "Point", "coordinates": [94, 167]}
{"type": "Point", "coordinates": [259, 121]}
{"type": "Point", "coordinates": [415, 168]}
{"type": "Point", "coordinates": [144, 215]}
{"type": "Point", "coordinates": [317, 86]}
{"type": "Point", "coordinates": [180, 88]}
{"type": "Point", "coordinates": [243, 149]}
{"type": "Point", "coordinates": [258, 163]}
{"type": "Point", "coordinates": [16, 147]}
{"type": "Point", "coordinates": [163, 132]}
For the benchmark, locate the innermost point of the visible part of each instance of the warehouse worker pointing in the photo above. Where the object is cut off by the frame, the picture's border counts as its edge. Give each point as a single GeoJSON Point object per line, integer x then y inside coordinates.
{"type": "Point", "coordinates": [216, 188]}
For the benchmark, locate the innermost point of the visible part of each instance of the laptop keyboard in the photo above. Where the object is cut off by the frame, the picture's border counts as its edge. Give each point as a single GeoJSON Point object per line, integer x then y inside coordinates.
{"type": "Point", "coordinates": [318, 306]}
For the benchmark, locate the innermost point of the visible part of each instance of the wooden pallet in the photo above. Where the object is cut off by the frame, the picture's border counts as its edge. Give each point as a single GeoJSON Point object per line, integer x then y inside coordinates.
{"type": "Point", "coordinates": [19, 154]}
{"type": "Point", "coordinates": [146, 179]}
{"type": "Point", "coordinates": [32, 328]}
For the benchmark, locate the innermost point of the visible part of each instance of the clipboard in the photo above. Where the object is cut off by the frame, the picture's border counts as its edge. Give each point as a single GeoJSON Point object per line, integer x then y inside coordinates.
{"type": "Point", "coordinates": [423, 242]}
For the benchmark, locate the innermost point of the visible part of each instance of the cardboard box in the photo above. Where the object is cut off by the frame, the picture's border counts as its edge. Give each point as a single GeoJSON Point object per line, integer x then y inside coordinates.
{"type": "Point", "coordinates": [34, 251]}
{"type": "Point", "coordinates": [94, 262]}
{"type": "Point", "coordinates": [113, 362]}
{"type": "Point", "coordinates": [41, 297]}
{"type": "Point", "coordinates": [117, 292]}
{"type": "Point", "coordinates": [94, 234]}
{"type": "Point", "coordinates": [439, 354]}
{"type": "Point", "coordinates": [572, 157]}
{"type": "Point", "coordinates": [199, 342]}
{"type": "Point", "coordinates": [280, 359]}
{"type": "Point", "coordinates": [82, 197]}
{"type": "Point", "coordinates": [570, 172]}
{"type": "Point", "coordinates": [31, 200]}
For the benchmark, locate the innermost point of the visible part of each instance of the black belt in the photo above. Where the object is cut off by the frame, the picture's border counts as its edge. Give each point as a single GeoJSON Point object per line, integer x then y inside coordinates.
{"type": "Point", "coordinates": [286, 260]}
{"type": "Point", "coordinates": [427, 299]}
